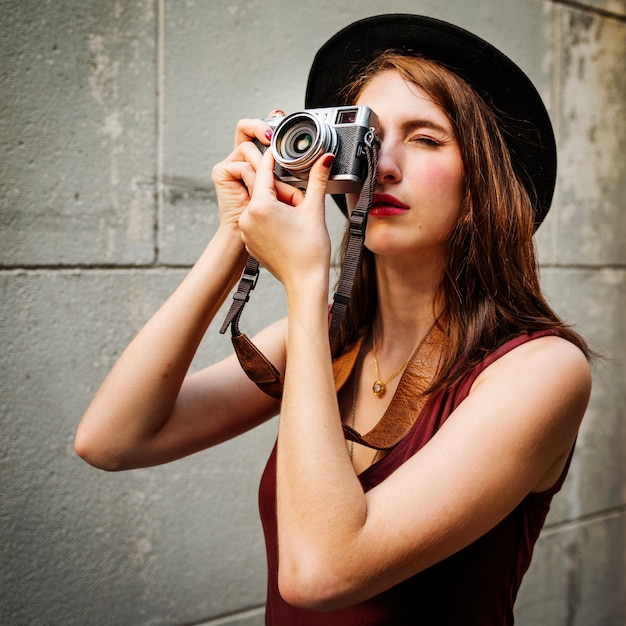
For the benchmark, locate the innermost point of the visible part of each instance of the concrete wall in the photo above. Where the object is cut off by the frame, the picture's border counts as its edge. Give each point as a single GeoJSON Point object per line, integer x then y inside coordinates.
{"type": "Point", "coordinates": [113, 113]}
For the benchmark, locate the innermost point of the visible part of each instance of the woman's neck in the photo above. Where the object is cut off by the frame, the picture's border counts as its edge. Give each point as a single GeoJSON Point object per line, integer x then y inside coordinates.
{"type": "Point", "coordinates": [406, 302]}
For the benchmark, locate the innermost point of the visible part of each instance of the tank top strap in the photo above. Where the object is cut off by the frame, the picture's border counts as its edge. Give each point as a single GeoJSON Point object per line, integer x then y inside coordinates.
{"type": "Point", "coordinates": [466, 384]}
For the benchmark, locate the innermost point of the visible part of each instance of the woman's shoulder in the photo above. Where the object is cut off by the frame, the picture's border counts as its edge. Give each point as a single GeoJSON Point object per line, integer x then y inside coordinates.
{"type": "Point", "coordinates": [546, 365]}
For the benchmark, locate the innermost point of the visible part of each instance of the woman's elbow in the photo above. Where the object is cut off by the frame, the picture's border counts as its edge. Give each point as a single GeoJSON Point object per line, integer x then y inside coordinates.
{"type": "Point", "coordinates": [88, 448]}
{"type": "Point", "coordinates": [313, 588]}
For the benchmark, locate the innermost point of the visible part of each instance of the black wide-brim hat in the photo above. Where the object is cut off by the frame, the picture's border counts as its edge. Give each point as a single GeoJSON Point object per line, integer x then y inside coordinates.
{"type": "Point", "coordinates": [497, 79]}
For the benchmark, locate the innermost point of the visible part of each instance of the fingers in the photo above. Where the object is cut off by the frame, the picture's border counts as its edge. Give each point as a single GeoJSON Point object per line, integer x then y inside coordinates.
{"type": "Point", "coordinates": [283, 192]}
{"type": "Point", "coordinates": [239, 165]}
{"type": "Point", "coordinates": [288, 193]}
{"type": "Point", "coordinates": [318, 179]}
{"type": "Point", "coordinates": [248, 130]}
{"type": "Point", "coordinates": [274, 189]}
{"type": "Point", "coordinates": [264, 179]}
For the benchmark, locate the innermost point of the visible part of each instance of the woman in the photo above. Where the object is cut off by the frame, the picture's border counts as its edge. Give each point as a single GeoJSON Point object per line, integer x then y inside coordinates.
{"type": "Point", "coordinates": [447, 344]}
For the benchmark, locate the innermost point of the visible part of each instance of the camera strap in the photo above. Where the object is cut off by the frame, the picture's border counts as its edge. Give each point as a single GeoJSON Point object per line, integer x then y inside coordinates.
{"type": "Point", "coordinates": [354, 250]}
{"type": "Point", "coordinates": [258, 368]}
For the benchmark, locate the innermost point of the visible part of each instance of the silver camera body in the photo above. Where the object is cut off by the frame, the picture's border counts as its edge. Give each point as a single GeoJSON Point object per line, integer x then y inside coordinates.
{"type": "Point", "coordinates": [300, 138]}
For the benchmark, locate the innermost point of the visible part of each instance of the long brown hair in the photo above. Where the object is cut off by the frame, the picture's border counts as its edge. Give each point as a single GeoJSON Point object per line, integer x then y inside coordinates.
{"type": "Point", "coordinates": [489, 291]}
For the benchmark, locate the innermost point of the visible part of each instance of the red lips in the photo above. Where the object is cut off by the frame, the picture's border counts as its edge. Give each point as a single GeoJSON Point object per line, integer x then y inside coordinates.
{"type": "Point", "coordinates": [384, 205]}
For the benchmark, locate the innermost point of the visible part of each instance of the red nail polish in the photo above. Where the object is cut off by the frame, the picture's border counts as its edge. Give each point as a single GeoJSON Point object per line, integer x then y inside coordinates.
{"type": "Point", "coordinates": [268, 134]}
{"type": "Point", "coordinates": [329, 159]}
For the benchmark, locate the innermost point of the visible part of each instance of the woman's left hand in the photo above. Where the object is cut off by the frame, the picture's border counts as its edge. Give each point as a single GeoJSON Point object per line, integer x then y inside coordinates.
{"type": "Point", "coordinates": [284, 229]}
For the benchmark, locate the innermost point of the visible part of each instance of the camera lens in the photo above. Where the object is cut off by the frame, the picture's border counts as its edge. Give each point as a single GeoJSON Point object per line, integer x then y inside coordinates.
{"type": "Point", "coordinates": [297, 141]}
{"type": "Point", "coordinates": [302, 142]}
{"type": "Point", "coordinates": [300, 139]}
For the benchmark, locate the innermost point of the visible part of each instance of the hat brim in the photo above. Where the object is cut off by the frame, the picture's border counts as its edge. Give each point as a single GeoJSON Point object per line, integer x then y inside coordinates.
{"type": "Point", "coordinates": [491, 74]}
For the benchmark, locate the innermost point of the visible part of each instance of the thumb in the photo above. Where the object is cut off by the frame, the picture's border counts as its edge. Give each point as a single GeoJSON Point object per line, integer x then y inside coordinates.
{"type": "Point", "coordinates": [318, 178]}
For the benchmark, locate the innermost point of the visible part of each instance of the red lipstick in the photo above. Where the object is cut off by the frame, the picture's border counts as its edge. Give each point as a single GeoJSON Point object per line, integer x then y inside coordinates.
{"type": "Point", "coordinates": [385, 205]}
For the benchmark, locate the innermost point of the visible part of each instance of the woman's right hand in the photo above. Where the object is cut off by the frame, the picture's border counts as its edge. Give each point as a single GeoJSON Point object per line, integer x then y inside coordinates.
{"type": "Point", "coordinates": [234, 177]}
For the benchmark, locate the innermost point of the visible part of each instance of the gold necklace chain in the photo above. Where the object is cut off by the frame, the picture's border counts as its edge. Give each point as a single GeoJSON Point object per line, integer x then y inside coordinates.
{"type": "Point", "coordinates": [380, 386]}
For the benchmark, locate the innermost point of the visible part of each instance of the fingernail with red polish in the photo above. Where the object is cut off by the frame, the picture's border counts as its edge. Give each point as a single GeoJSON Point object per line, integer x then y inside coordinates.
{"type": "Point", "coordinates": [268, 134]}
{"type": "Point", "coordinates": [329, 159]}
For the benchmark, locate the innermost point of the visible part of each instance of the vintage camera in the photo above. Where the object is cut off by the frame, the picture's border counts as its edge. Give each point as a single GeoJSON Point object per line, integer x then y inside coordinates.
{"type": "Point", "coordinates": [300, 138]}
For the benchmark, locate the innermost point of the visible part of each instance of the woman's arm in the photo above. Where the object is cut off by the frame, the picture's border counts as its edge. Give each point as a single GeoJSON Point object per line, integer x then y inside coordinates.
{"type": "Point", "coordinates": [148, 411]}
{"type": "Point", "coordinates": [511, 436]}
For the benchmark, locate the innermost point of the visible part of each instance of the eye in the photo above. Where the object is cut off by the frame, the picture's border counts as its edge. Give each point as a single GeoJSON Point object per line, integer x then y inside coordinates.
{"type": "Point", "coordinates": [426, 141]}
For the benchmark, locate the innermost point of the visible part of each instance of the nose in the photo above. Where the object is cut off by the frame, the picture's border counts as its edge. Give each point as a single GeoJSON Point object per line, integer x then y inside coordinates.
{"type": "Point", "coordinates": [388, 164]}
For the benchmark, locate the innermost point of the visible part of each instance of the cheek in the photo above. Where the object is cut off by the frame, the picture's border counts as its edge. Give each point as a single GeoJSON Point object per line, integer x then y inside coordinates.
{"type": "Point", "coordinates": [449, 183]}
{"type": "Point", "coordinates": [448, 186]}
{"type": "Point", "coordinates": [446, 178]}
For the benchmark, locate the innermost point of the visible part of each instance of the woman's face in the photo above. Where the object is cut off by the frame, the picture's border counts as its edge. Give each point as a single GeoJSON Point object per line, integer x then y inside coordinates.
{"type": "Point", "coordinates": [420, 180]}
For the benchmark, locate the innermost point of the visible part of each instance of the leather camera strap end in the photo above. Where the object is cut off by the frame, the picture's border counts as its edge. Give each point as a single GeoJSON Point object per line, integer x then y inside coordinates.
{"type": "Point", "coordinates": [258, 368]}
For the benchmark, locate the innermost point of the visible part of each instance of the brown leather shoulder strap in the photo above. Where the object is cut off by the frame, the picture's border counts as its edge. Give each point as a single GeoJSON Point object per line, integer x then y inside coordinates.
{"type": "Point", "coordinates": [264, 374]}
{"type": "Point", "coordinates": [405, 406]}
{"type": "Point", "coordinates": [344, 364]}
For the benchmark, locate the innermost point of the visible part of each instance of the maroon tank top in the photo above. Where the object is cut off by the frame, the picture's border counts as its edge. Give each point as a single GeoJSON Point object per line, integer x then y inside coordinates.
{"type": "Point", "coordinates": [477, 586]}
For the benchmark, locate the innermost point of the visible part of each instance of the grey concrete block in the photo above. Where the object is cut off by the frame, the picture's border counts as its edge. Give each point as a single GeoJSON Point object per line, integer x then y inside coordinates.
{"type": "Point", "coordinates": [78, 142]}
{"type": "Point", "coordinates": [589, 220]}
{"type": "Point", "coordinates": [577, 575]}
{"type": "Point", "coordinates": [190, 217]}
{"type": "Point", "coordinates": [594, 303]}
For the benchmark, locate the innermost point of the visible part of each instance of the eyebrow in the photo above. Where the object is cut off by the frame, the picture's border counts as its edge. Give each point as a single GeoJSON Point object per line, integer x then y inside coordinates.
{"type": "Point", "coordinates": [411, 125]}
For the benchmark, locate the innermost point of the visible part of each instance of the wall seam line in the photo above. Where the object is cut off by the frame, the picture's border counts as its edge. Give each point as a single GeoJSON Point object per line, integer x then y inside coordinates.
{"type": "Point", "coordinates": [160, 130]}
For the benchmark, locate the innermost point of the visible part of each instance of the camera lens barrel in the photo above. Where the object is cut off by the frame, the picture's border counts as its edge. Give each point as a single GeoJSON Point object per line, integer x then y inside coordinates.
{"type": "Point", "coordinates": [300, 139]}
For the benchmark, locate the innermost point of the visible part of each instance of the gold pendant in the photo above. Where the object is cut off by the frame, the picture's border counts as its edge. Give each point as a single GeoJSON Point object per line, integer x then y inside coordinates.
{"type": "Point", "coordinates": [379, 388]}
